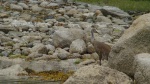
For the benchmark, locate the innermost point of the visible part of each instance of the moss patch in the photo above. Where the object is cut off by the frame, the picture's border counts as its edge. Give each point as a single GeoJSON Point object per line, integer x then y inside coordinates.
{"type": "Point", "coordinates": [49, 75]}
{"type": "Point", "coordinates": [17, 56]}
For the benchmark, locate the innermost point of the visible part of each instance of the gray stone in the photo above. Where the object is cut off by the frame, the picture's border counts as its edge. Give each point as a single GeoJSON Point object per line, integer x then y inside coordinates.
{"type": "Point", "coordinates": [5, 28]}
{"type": "Point", "coordinates": [13, 71]}
{"type": "Point", "coordinates": [72, 12]}
{"type": "Point", "coordinates": [25, 51]}
{"type": "Point", "coordinates": [115, 12]}
{"type": "Point", "coordinates": [142, 68]}
{"type": "Point", "coordinates": [44, 4]}
{"type": "Point", "coordinates": [4, 15]}
{"type": "Point", "coordinates": [63, 37]}
{"type": "Point", "coordinates": [5, 62]}
{"type": "Point", "coordinates": [16, 7]}
{"type": "Point", "coordinates": [25, 6]}
{"type": "Point", "coordinates": [90, 48]}
{"type": "Point", "coordinates": [6, 53]}
{"type": "Point", "coordinates": [62, 54]}
{"type": "Point", "coordinates": [78, 46]}
{"type": "Point", "coordinates": [36, 8]}
{"type": "Point", "coordinates": [95, 74]}
{"type": "Point", "coordinates": [17, 52]}
{"type": "Point", "coordinates": [87, 62]}
{"type": "Point", "coordinates": [40, 48]}
{"type": "Point", "coordinates": [15, 34]}
{"type": "Point", "coordinates": [53, 5]}
{"type": "Point", "coordinates": [118, 21]}
{"type": "Point", "coordinates": [103, 19]}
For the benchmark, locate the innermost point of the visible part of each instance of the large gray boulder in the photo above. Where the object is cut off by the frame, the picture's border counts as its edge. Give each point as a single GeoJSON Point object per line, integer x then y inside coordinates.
{"type": "Point", "coordinates": [64, 37]}
{"type": "Point", "coordinates": [114, 11]}
{"type": "Point", "coordinates": [142, 68]}
{"type": "Point", "coordinates": [95, 74]}
{"type": "Point", "coordinates": [135, 40]}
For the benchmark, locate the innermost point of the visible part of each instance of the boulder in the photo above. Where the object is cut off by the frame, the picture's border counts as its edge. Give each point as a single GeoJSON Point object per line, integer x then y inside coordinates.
{"type": "Point", "coordinates": [95, 74]}
{"type": "Point", "coordinates": [135, 40]}
{"type": "Point", "coordinates": [53, 5]}
{"type": "Point", "coordinates": [25, 16]}
{"type": "Point", "coordinates": [44, 4]}
{"type": "Point", "coordinates": [36, 8]}
{"type": "Point", "coordinates": [13, 71]}
{"type": "Point", "coordinates": [103, 19]}
{"type": "Point", "coordinates": [6, 29]}
{"type": "Point", "coordinates": [62, 54]}
{"type": "Point", "coordinates": [16, 7]}
{"type": "Point", "coordinates": [5, 62]}
{"type": "Point", "coordinates": [25, 6]}
{"type": "Point", "coordinates": [64, 37]}
{"type": "Point", "coordinates": [78, 46]}
{"type": "Point", "coordinates": [114, 11]}
{"type": "Point", "coordinates": [40, 48]}
{"type": "Point", "coordinates": [42, 65]}
{"type": "Point", "coordinates": [142, 68]}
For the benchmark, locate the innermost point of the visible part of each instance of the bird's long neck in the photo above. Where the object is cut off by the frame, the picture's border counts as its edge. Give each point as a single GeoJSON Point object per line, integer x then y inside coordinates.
{"type": "Point", "coordinates": [92, 37]}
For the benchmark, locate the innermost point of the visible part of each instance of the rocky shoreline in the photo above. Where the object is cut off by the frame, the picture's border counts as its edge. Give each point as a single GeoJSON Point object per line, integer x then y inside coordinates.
{"type": "Point", "coordinates": [54, 36]}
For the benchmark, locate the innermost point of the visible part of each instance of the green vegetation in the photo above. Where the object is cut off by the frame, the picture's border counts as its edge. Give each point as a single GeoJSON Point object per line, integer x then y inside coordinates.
{"type": "Point", "coordinates": [17, 56]}
{"type": "Point", "coordinates": [49, 75]}
{"type": "Point", "coordinates": [136, 5]}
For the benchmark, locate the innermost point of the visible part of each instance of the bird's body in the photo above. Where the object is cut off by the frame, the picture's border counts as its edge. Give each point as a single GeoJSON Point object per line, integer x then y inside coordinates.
{"type": "Point", "coordinates": [101, 48]}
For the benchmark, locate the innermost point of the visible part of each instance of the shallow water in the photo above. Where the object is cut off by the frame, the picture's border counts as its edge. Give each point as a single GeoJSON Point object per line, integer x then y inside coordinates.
{"type": "Point", "coordinates": [6, 80]}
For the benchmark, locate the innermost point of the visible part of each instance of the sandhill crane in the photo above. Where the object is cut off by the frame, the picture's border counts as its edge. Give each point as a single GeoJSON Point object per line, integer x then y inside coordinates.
{"type": "Point", "coordinates": [101, 48]}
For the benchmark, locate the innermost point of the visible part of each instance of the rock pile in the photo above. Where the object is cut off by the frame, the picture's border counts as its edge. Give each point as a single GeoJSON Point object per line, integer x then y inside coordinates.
{"type": "Point", "coordinates": [56, 35]}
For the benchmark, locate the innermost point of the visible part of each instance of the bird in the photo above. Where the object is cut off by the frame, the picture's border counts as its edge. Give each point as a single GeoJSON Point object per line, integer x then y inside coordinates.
{"type": "Point", "coordinates": [101, 48]}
